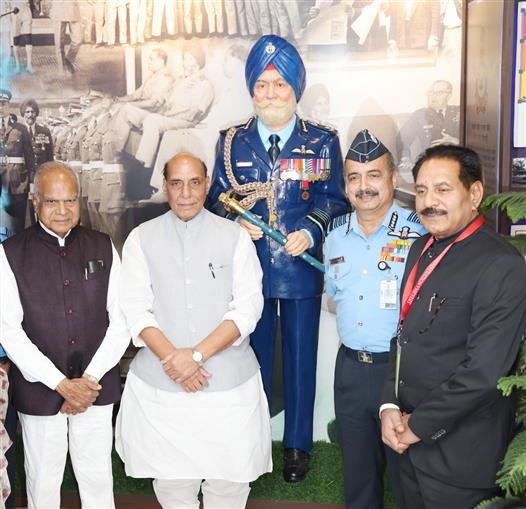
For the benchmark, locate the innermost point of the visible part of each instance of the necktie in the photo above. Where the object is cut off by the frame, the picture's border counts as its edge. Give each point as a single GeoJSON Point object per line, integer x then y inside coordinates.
{"type": "Point", "coordinates": [273, 151]}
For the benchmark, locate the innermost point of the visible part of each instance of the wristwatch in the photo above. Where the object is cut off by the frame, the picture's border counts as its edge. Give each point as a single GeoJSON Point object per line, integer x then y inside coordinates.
{"type": "Point", "coordinates": [197, 357]}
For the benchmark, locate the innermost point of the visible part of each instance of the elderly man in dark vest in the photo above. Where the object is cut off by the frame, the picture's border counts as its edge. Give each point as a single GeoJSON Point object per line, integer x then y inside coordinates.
{"type": "Point", "coordinates": [62, 328]}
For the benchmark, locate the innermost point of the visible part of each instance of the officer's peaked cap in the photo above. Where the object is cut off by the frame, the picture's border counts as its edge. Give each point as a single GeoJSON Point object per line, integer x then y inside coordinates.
{"type": "Point", "coordinates": [5, 95]}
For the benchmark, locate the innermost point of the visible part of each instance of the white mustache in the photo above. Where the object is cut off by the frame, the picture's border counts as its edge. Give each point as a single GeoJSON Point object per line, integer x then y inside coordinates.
{"type": "Point", "coordinates": [276, 103]}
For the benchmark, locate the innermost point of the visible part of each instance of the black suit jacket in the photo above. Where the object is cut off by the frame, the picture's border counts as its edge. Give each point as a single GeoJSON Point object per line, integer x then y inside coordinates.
{"type": "Point", "coordinates": [453, 355]}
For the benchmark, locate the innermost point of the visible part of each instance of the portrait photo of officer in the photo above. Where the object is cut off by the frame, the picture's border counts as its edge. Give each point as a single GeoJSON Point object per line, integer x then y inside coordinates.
{"type": "Point", "coordinates": [438, 122]}
{"type": "Point", "coordinates": [18, 164]}
{"type": "Point", "coordinates": [41, 139]}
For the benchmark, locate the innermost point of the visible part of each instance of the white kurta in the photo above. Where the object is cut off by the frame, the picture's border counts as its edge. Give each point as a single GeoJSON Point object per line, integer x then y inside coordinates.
{"type": "Point", "coordinates": [165, 434]}
{"type": "Point", "coordinates": [202, 435]}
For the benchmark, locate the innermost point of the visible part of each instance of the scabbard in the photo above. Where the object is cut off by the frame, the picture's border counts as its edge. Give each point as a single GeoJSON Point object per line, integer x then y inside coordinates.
{"type": "Point", "coordinates": [233, 205]}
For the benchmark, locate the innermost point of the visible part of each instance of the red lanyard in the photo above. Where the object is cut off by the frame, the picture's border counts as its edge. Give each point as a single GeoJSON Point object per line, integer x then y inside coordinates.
{"type": "Point", "coordinates": [411, 290]}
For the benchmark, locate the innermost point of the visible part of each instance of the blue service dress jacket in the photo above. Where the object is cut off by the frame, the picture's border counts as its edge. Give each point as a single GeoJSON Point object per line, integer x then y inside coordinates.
{"type": "Point", "coordinates": [308, 183]}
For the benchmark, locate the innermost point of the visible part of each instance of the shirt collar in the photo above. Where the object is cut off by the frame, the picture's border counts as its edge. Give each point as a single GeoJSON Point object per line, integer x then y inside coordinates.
{"type": "Point", "coordinates": [193, 225]}
{"type": "Point", "coordinates": [284, 134]}
{"type": "Point", "coordinates": [385, 223]}
{"type": "Point", "coordinates": [61, 241]}
{"type": "Point", "coordinates": [440, 244]}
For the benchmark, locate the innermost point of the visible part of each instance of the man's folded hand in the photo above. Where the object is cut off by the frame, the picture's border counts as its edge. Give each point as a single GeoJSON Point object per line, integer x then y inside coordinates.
{"type": "Point", "coordinates": [79, 392]}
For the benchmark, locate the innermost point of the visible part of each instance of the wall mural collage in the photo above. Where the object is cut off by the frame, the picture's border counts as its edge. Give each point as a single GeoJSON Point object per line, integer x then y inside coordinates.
{"type": "Point", "coordinates": [116, 87]}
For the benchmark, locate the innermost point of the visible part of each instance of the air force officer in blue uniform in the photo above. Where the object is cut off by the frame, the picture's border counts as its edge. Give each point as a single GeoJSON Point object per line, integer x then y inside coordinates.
{"type": "Point", "coordinates": [289, 172]}
{"type": "Point", "coordinates": [365, 256]}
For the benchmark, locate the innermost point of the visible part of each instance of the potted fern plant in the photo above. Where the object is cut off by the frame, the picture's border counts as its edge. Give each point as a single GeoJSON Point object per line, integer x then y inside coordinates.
{"type": "Point", "coordinates": [511, 478]}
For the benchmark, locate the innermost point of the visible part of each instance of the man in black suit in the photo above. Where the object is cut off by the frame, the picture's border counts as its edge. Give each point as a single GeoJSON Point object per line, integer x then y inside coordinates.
{"type": "Point", "coordinates": [442, 410]}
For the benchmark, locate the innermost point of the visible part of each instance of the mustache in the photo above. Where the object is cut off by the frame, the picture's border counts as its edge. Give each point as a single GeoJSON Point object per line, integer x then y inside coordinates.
{"type": "Point", "coordinates": [430, 211]}
{"type": "Point", "coordinates": [366, 192]}
{"type": "Point", "coordinates": [275, 103]}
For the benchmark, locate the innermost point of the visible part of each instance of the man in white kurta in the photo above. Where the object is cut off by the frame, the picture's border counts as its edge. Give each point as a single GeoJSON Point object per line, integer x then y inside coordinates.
{"type": "Point", "coordinates": [193, 407]}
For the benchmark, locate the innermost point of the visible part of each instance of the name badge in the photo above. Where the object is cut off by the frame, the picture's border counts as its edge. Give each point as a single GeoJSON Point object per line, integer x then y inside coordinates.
{"type": "Point", "coordinates": [244, 164]}
{"type": "Point", "coordinates": [388, 294]}
{"type": "Point", "coordinates": [334, 261]}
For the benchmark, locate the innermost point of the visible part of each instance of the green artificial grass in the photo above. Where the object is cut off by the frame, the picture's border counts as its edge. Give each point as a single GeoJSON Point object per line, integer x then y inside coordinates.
{"type": "Point", "coordinates": [324, 483]}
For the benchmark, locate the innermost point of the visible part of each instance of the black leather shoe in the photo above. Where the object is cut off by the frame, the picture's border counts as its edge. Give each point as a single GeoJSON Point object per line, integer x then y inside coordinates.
{"type": "Point", "coordinates": [296, 465]}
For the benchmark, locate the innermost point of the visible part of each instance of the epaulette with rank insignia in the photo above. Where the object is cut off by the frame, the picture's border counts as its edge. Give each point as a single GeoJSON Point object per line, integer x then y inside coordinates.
{"type": "Point", "coordinates": [245, 126]}
{"type": "Point", "coordinates": [339, 221]}
{"type": "Point", "coordinates": [323, 127]}
{"type": "Point", "coordinates": [413, 218]}
{"type": "Point", "coordinates": [248, 123]}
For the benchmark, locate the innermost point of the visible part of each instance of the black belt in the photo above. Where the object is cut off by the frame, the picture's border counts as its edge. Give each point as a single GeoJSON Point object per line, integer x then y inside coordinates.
{"type": "Point", "coordinates": [366, 357]}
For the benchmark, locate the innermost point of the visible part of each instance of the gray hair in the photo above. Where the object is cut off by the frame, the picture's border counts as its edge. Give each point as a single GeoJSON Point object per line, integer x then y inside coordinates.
{"type": "Point", "coordinates": [390, 162]}
{"type": "Point", "coordinates": [44, 167]}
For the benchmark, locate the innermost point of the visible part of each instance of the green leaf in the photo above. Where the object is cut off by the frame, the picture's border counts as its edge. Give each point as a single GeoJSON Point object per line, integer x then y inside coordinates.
{"type": "Point", "coordinates": [512, 476]}
{"type": "Point", "coordinates": [513, 203]}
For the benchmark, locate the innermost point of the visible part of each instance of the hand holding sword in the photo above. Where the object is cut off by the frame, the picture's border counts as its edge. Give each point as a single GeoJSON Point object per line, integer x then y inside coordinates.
{"type": "Point", "coordinates": [234, 206]}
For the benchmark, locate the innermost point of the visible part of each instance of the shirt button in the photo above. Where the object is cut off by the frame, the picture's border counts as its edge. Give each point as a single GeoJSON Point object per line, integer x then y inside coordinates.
{"type": "Point", "coordinates": [272, 260]}
{"type": "Point", "coordinates": [192, 329]}
{"type": "Point", "coordinates": [187, 259]}
{"type": "Point", "coordinates": [66, 282]}
{"type": "Point", "coordinates": [430, 254]}
{"type": "Point", "coordinates": [62, 253]}
{"type": "Point", "coordinates": [242, 177]}
{"type": "Point", "coordinates": [360, 297]}
{"type": "Point", "coordinates": [188, 281]}
{"type": "Point", "coordinates": [364, 272]}
{"type": "Point", "coordinates": [189, 306]}
{"type": "Point", "coordinates": [69, 311]}
{"type": "Point", "coordinates": [71, 341]}
{"type": "Point", "coordinates": [360, 324]}
{"type": "Point", "coordinates": [368, 247]}
{"type": "Point", "coordinates": [401, 382]}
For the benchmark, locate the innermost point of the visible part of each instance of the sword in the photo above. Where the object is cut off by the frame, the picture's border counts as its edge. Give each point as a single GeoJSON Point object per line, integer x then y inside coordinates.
{"type": "Point", "coordinates": [233, 205]}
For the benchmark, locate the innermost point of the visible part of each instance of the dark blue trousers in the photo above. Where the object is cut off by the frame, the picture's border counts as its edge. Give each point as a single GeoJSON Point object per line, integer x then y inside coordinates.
{"type": "Point", "coordinates": [357, 393]}
{"type": "Point", "coordinates": [299, 319]}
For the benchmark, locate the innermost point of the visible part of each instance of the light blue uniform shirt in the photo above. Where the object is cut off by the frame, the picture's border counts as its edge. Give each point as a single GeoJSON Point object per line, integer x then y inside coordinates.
{"type": "Point", "coordinates": [284, 134]}
{"type": "Point", "coordinates": [353, 276]}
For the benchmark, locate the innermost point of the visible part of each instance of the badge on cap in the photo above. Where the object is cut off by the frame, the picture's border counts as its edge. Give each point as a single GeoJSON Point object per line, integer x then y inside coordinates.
{"type": "Point", "coordinates": [270, 48]}
{"type": "Point", "coordinates": [365, 147]}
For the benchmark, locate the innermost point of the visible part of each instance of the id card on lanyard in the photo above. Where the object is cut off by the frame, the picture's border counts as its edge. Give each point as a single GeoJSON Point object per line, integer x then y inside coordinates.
{"type": "Point", "coordinates": [411, 290]}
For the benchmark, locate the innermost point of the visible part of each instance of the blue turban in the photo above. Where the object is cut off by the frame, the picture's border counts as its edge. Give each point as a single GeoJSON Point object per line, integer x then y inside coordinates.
{"type": "Point", "coordinates": [272, 49]}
